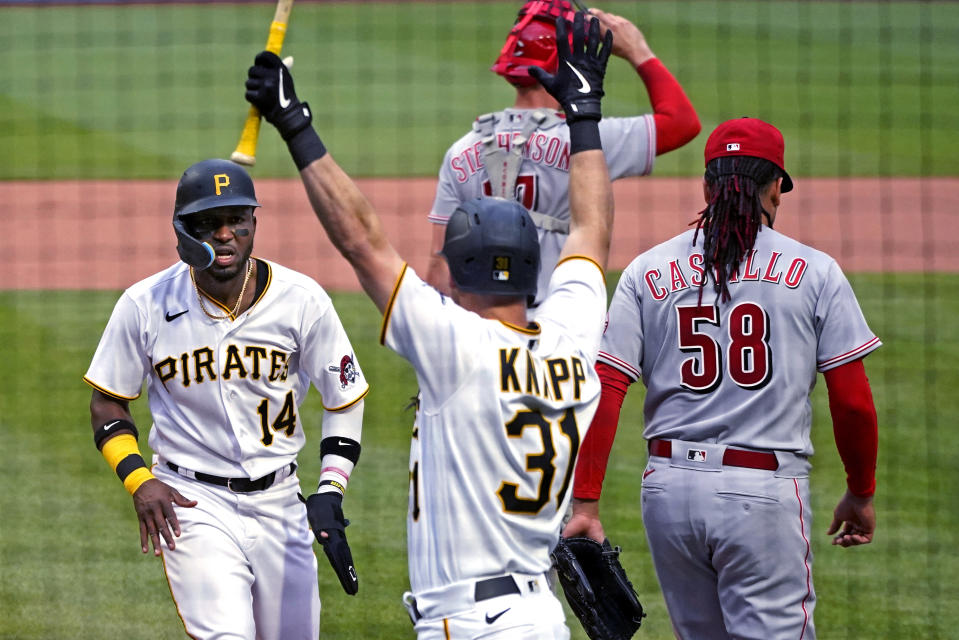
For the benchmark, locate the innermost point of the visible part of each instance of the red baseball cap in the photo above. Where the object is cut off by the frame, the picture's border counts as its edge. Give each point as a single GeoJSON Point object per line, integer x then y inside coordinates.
{"type": "Point", "coordinates": [749, 137]}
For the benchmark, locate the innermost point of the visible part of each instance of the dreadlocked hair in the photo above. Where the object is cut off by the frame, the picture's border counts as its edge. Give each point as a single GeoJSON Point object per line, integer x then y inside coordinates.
{"type": "Point", "coordinates": [733, 216]}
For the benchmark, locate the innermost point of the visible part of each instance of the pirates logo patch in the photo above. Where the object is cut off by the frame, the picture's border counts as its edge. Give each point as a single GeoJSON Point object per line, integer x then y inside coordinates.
{"type": "Point", "coordinates": [347, 371]}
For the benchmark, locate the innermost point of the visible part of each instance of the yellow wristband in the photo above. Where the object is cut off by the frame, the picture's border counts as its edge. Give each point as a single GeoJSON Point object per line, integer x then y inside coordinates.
{"type": "Point", "coordinates": [119, 447]}
{"type": "Point", "coordinates": [133, 481]}
{"type": "Point", "coordinates": [123, 455]}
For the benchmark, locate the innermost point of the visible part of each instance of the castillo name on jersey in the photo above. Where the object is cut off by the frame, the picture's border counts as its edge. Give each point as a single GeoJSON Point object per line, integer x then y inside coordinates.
{"type": "Point", "coordinates": [681, 273]}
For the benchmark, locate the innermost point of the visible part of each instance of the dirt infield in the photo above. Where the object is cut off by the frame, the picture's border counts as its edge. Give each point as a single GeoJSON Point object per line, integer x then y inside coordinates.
{"type": "Point", "coordinates": [108, 235]}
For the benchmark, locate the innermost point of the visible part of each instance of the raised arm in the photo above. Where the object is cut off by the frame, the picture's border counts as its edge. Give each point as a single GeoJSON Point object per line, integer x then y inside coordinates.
{"type": "Point", "coordinates": [353, 227]}
{"type": "Point", "coordinates": [578, 87]}
{"type": "Point", "coordinates": [437, 271]}
{"type": "Point", "coordinates": [347, 216]}
{"type": "Point", "coordinates": [675, 117]}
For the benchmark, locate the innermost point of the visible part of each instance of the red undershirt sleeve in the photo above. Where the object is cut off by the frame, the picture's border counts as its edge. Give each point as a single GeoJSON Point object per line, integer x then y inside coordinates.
{"type": "Point", "coordinates": [676, 119]}
{"type": "Point", "coordinates": [854, 424]}
{"type": "Point", "coordinates": [594, 451]}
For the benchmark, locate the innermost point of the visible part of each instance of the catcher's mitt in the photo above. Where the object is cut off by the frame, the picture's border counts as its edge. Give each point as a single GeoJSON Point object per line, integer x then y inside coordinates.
{"type": "Point", "coordinates": [597, 589]}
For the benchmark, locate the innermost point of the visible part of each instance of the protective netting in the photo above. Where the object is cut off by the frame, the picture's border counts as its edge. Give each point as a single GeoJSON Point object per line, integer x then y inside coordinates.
{"type": "Point", "coordinates": [104, 104]}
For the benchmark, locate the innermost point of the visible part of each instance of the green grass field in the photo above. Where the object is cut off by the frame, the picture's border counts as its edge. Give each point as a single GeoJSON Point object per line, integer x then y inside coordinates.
{"type": "Point", "coordinates": [69, 547]}
{"type": "Point", "coordinates": [858, 88]}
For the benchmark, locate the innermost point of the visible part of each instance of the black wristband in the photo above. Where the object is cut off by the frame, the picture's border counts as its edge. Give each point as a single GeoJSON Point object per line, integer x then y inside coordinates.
{"type": "Point", "coordinates": [107, 429]}
{"type": "Point", "coordinates": [130, 464]}
{"type": "Point", "coordinates": [305, 147]}
{"type": "Point", "coordinates": [345, 447]}
{"type": "Point", "coordinates": [584, 136]}
{"type": "Point", "coordinates": [331, 483]}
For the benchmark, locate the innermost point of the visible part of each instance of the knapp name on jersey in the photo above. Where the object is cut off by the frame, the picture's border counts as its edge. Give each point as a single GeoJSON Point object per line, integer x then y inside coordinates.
{"type": "Point", "coordinates": [772, 269]}
{"type": "Point", "coordinates": [522, 374]}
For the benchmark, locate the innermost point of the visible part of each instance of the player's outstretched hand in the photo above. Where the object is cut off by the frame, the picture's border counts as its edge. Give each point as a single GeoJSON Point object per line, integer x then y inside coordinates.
{"type": "Point", "coordinates": [325, 513]}
{"type": "Point", "coordinates": [269, 88]}
{"type": "Point", "coordinates": [578, 82]}
{"type": "Point", "coordinates": [857, 518]}
{"type": "Point", "coordinates": [154, 502]}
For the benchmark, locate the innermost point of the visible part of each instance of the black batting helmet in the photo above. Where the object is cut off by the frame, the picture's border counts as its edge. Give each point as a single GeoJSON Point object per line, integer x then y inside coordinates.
{"type": "Point", "coordinates": [207, 185]}
{"type": "Point", "coordinates": [491, 247]}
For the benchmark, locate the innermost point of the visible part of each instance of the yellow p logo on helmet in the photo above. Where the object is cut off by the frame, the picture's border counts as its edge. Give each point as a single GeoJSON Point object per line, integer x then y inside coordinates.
{"type": "Point", "coordinates": [221, 180]}
{"type": "Point", "coordinates": [213, 183]}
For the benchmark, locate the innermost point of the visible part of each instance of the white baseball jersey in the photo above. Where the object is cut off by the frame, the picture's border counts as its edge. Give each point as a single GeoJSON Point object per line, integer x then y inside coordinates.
{"type": "Point", "coordinates": [501, 414]}
{"type": "Point", "coordinates": [542, 184]}
{"type": "Point", "coordinates": [736, 373]}
{"type": "Point", "coordinates": [224, 394]}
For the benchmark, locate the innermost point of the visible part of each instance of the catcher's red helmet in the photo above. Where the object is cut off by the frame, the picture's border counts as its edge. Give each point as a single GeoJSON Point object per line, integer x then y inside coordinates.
{"type": "Point", "coordinates": [532, 41]}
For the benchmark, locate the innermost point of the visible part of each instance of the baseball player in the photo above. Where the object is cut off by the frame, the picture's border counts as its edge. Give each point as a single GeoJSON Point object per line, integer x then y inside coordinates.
{"type": "Point", "coordinates": [727, 324]}
{"type": "Point", "coordinates": [503, 403]}
{"type": "Point", "coordinates": [229, 345]}
{"type": "Point", "coordinates": [523, 152]}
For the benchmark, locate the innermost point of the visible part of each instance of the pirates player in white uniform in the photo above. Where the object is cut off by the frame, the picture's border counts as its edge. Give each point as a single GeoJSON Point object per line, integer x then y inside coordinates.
{"type": "Point", "coordinates": [229, 345]}
{"type": "Point", "coordinates": [522, 152]}
{"type": "Point", "coordinates": [729, 361]}
{"type": "Point", "coordinates": [504, 404]}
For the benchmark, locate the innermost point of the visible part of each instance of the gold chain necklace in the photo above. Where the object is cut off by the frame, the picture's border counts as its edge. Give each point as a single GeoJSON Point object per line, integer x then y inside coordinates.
{"type": "Point", "coordinates": [239, 300]}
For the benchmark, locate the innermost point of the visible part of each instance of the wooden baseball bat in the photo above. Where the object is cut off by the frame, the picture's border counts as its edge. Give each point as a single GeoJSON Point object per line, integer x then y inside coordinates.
{"type": "Point", "coordinates": [245, 152]}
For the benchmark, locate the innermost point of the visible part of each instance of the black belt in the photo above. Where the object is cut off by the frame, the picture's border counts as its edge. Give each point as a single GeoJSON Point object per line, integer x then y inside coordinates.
{"type": "Point", "coordinates": [494, 587]}
{"type": "Point", "coordinates": [236, 485]}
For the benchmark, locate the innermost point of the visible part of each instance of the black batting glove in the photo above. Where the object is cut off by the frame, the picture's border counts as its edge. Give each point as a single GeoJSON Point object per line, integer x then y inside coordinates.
{"type": "Point", "coordinates": [325, 513]}
{"type": "Point", "coordinates": [578, 82]}
{"type": "Point", "coordinates": [269, 88]}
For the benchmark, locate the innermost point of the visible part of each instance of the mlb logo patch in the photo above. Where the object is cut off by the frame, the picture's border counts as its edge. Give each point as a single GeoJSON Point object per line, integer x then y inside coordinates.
{"type": "Point", "coordinates": [501, 268]}
{"type": "Point", "coordinates": [732, 146]}
{"type": "Point", "coordinates": [696, 455]}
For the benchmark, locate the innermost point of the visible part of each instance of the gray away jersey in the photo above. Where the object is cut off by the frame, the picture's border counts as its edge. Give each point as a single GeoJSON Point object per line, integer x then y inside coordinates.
{"type": "Point", "coordinates": [737, 373]}
{"type": "Point", "coordinates": [542, 185]}
{"type": "Point", "coordinates": [502, 411]}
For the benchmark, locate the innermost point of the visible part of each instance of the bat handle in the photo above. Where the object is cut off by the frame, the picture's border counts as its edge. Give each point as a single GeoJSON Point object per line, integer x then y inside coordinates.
{"type": "Point", "coordinates": [245, 152]}
{"type": "Point", "coordinates": [275, 40]}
